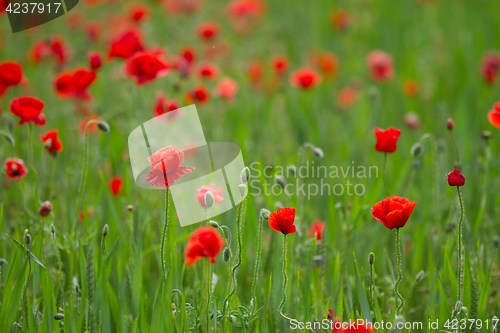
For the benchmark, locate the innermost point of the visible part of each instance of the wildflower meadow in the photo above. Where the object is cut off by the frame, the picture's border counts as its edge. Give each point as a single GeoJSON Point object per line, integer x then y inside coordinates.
{"type": "Point", "coordinates": [249, 166]}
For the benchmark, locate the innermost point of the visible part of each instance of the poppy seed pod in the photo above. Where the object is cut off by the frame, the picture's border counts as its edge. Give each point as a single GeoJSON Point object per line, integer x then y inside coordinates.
{"type": "Point", "coordinates": [209, 199]}
{"type": "Point", "coordinates": [417, 149]}
{"type": "Point", "coordinates": [243, 189]}
{"type": "Point", "coordinates": [280, 181]}
{"type": "Point", "coordinates": [226, 255]}
{"type": "Point", "coordinates": [265, 213]}
{"type": "Point", "coordinates": [59, 316]}
{"type": "Point", "coordinates": [214, 224]}
{"type": "Point", "coordinates": [371, 258]}
{"type": "Point", "coordinates": [105, 230]}
{"type": "Point", "coordinates": [318, 152]}
{"type": "Point", "coordinates": [103, 126]}
{"type": "Point", "coordinates": [45, 208]}
{"type": "Point", "coordinates": [245, 175]}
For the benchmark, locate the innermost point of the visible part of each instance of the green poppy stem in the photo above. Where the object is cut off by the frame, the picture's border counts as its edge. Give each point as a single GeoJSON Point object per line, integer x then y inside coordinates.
{"type": "Point", "coordinates": [383, 175]}
{"type": "Point", "coordinates": [400, 272]}
{"type": "Point", "coordinates": [460, 272]}
{"type": "Point", "coordinates": [164, 234]}
{"type": "Point", "coordinates": [284, 282]}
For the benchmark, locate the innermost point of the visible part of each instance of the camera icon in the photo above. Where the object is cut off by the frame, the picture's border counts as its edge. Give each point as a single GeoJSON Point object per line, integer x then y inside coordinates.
{"type": "Point", "coordinates": [171, 151]}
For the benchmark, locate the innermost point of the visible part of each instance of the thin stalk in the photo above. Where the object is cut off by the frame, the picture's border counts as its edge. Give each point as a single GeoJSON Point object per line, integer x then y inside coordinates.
{"type": "Point", "coordinates": [30, 159]}
{"type": "Point", "coordinates": [257, 264]}
{"type": "Point", "coordinates": [284, 282]}
{"type": "Point", "coordinates": [457, 150]}
{"type": "Point", "coordinates": [400, 272]}
{"type": "Point", "coordinates": [460, 273]}
{"type": "Point", "coordinates": [372, 288]}
{"type": "Point", "coordinates": [437, 207]}
{"type": "Point", "coordinates": [164, 234]}
{"type": "Point", "coordinates": [383, 175]}
{"type": "Point", "coordinates": [25, 206]}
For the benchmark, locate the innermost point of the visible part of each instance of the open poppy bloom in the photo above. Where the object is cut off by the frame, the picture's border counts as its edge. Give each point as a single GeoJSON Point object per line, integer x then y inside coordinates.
{"type": "Point", "coordinates": [126, 44]}
{"type": "Point", "coordinates": [216, 192]}
{"type": "Point", "coordinates": [29, 109]}
{"type": "Point", "coordinates": [455, 178]}
{"type": "Point", "coordinates": [393, 212]}
{"type": "Point", "coordinates": [381, 66]}
{"type": "Point", "coordinates": [205, 242]}
{"type": "Point", "coordinates": [11, 74]}
{"type": "Point", "coordinates": [198, 94]}
{"type": "Point", "coordinates": [146, 66]}
{"type": "Point", "coordinates": [116, 184]}
{"type": "Point", "coordinates": [317, 229]}
{"type": "Point", "coordinates": [280, 64]}
{"type": "Point", "coordinates": [52, 142]}
{"type": "Point", "coordinates": [15, 168]}
{"type": "Point", "coordinates": [305, 78]}
{"type": "Point", "coordinates": [226, 88]}
{"type": "Point", "coordinates": [283, 220]}
{"type": "Point", "coordinates": [74, 84]}
{"type": "Point", "coordinates": [494, 115]}
{"type": "Point", "coordinates": [165, 168]}
{"type": "Point", "coordinates": [387, 140]}
{"type": "Point", "coordinates": [208, 30]}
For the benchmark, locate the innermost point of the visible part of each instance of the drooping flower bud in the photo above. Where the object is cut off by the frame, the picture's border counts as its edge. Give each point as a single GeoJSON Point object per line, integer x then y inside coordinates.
{"type": "Point", "coordinates": [486, 135]}
{"type": "Point", "coordinates": [45, 208]}
{"type": "Point", "coordinates": [226, 255]}
{"type": "Point", "coordinates": [245, 175]}
{"type": "Point", "coordinates": [9, 138]}
{"type": "Point", "coordinates": [3, 262]}
{"type": "Point", "coordinates": [130, 208]}
{"type": "Point", "coordinates": [105, 230]}
{"type": "Point", "coordinates": [417, 149]}
{"type": "Point", "coordinates": [59, 316]}
{"type": "Point", "coordinates": [265, 213]}
{"type": "Point", "coordinates": [419, 276]}
{"type": "Point", "coordinates": [280, 181]}
{"type": "Point", "coordinates": [449, 124]}
{"type": "Point", "coordinates": [103, 126]}
{"type": "Point", "coordinates": [209, 199]}
{"type": "Point", "coordinates": [371, 258]}
{"type": "Point", "coordinates": [27, 240]}
{"type": "Point", "coordinates": [214, 224]}
{"type": "Point", "coordinates": [318, 152]}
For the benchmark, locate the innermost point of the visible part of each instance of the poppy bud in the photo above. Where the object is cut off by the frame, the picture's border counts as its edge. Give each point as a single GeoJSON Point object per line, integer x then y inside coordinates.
{"type": "Point", "coordinates": [3, 262]}
{"type": "Point", "coordinates": [419, 276]}
{"type": "Point", "coordinates": [103, 126]}
{"type": "Point", "coordinates": [105, 230]}
{"type": "Point", "coordinates": [9, 138]}
{"type": "Point", "coordinates": [330, 313]}
{"type": "Point", "coordinates": [318, 152]}
{"type": "Point", "coordinates": [245, 175]}
{"type": "Point", "coordinates": [450, 124]}
{"type": "Point", "coordinates": [226, 255]}
{"type": "Point", "coordinates": [130, 208]}
{"type": "Point", "coordinates": [455, 178]}
{"type": "Point", "coordinates": [416, 149]}
{"type": "Point", "coordinates": [27, 239]}
{"type": "Point", "coordinates": [45, 208]}
{"type": "Point", "coordinates": [265, 213]}
{"type": "Point", "coordinates": [59, 316]}
{"type": "Point", "coordinates": [496, 241]}
{"type": "Point", "coordinates": [209, 199]}
{"type": "Point", "coordinates": [280, 181]}
{"type": "Point", "coordinates": [371, 258]}
{"type": "Point", "coordinates": [52, 229]}
{"type": "Point", "coordinates": [243, 189]}
{"type": "Point", "coordinates": [214, 224]}
{"type": "Point", "coordinates": [486, 135]}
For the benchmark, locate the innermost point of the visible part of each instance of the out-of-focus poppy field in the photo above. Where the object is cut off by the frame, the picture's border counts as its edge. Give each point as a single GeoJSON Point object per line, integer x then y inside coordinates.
{"type": "Point", "coordinates": [370, 134]}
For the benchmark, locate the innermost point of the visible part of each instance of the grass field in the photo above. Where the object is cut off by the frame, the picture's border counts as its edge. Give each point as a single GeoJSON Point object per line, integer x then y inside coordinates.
{"type": "Point", "coordinates": [103, 260]}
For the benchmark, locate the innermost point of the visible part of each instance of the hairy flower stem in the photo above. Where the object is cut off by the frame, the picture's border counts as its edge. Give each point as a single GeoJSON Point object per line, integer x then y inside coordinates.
{"type": "Point", "coordinates": [258, 256]}
{"type": "Point", "coordinates": [164, 235]}
{"type": "Point", "coordinates": [372, 288]}
{"type": "Point", "coordinates": [25, 206]}
{"type": "Point", "coordinates": [284, 282]}
{"type": "Point", "coordinates": [84, 172]}
{"type": "Point", "coordinates": [383, 175]}
{"type": "Point", "coordinates": [25, 309]}
{"type": "Point", "coordinates": [400, 272]}
{"type": "Point", "coordinates": [460, 271]}
{"type": "Point", "coordinates": [30, 160]}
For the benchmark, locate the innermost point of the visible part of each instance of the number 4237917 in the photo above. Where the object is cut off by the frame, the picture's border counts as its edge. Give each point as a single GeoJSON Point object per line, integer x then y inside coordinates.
{"type": "Point", "coordinates": [33, 7]}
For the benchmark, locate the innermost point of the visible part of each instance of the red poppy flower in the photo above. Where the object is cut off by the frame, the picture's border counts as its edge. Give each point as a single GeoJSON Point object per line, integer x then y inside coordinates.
{"type": "Point", "coordinates": [455, 178]}
{"type": "Point", "coordinates": [52, 142]}
{"type": "Point", "coordinates": [216, 192]}
{"type": "Point", "coordinates": [116, 184]}
{"type": "Point", "coordinates": [15, 168]}
{"type": "Point", "coordinates": [59, 50]}
{"type": "Point", "coordinates": [11, 74]}
{"type": "Point", "coordinates": [494, 115]}
{"type": "Point", "coordinates": [208, 30]}
{"type": "Point", "coordinates": [29, 109]}
{"type": "Point", "coordinates": [146, 66]}
{"type": "Point", "coordinates": [189, 53]}
{"type": "Point", "coordinates": [246, 8]}
{"type": "Point", "coordinates": [39, 50]}
{"type": "Point", "coordinates": [95, 60]}
{"type": "Point", "coordinates": [226, 88]}
{"type": "Point", "coordinates": [381, 66]}
{"type": "Point", "coordinates": [165, 168]}
{"type": "Point", "coordinates": [393, 212]}
{"type": "Point", "coordinates": [317, 229]}
{"type": "Point", "coordinates": [139, 12]}
{"type": "Point", "coordinates": [450, 124]}
{"type": "Point", "coordinates": [198, 94]}
{"type": "Point", "coordinates": [126, 44]}
{"type": "Point", "coordinates": [305, 78]}
{"type": "Point", "coordinates": [490, 67]}
{"type": "Point", "coordinates": [410, 88]}
{"type": "Point", "coordinates": [164, 105]}
{"type": "Point", "coordinates": [347, 96]}
{"type": "Point", "coordinates": [328, 63]}
{"type": "Point", "coordinates": [340, 19]}
{"type": "Point", "coordinates": [207, 70]}
{"type": "Point", "coordinates": [205, 242]}
{"type": "Point", "coordinates": [356, 328]}
{"type": "Point", "coordinates": [74, 84]}
{"type": "Point", "coordinates": [45, 208]}
{"type": "Point", "coordinates": [280, 64]}
{"type": "Point", "coordinates": [255, 71]}
{"type": "Point", "coordinates": [283, 220]}
{"type": "Point", "coordinates": [387, 140]}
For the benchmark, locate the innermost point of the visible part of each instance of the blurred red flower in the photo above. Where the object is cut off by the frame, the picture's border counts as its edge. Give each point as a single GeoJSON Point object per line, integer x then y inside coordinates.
{"type": "Point", "coordinates": [340, 19]}
{"type": "Point", "coordinates": [208, 30]}
{"type": "Point", "coordinates": [412, 120]}
{"type": "Point", "coordinates": [410, 88]}
{"type": "Point", "coordinates": [347, 96]}
{"type": "Point", "coordinates": [393, 212]}
{"type": "Point", "coordinates": [490, 67]}
{"type": "Point", "coordinates": [381, 66]}
{"type": "Point", "coordinates": [181, 6]}
{"type": "Point", "coordinates": [207, 70]}
{"type": "Point", "coordinates": [146, 66]}
{"type": "Point", "coordinates": [15, 168]}
{"type": "Point", "coordinates": [74, 84]}
{"type": "Point", "coordinates": [198, 94]}
{"type": "Point", "coordinates": [216, 192]}
{"type": "Point", "coordinates": [95, 60]}
{"type": "Point", "coordinates": [164, 105]}
{"type": "Point", "coordinates": [280, 64]}
{"type": "Point", "coordinates": [205, 242]}
{"type": "Point", "coordinates": [305, 78]}
{"type": "Point", "coordinates": [29, 109]}
{"type": "Point", "coordinates": [51, 142]}
{"type": "Point", "coordinates": [450, 124]}
{"type": "Point", "coordinates": [165, 168]}
{"type": "Point", "coordinates": [55, 47]}
{"type": "Point", "coordinates": [455, 178]}
{"type": "Point", "coordinates": [189, 53]}
{"type": "Point", "coordinates": [139, 12]}
{"type": "Point", "coordinates": [226, 88]}
{"type": "Point", "coordinates": [387, 140]}
{"type": "Point", "coordinates": [327, 62]}
{"type": "Point", "coordinates": [11, 74]}
{"type": "Point", "coordinates": [239, 9]}
{"type": "Point", "coordinates": [494, 115]}
{"type": "Point", "coordinates": [283, 220]}
{"type": "Point", "coordinates": [115, 185]}
{"type": "Point", "coordinates": [125, 44]}
{"type": "Point", "coordinates": [255, 71]}
{"type": "Point", "coordinates": [93, 31]}
{"type": "Point", "coordinates": [317, 229]}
